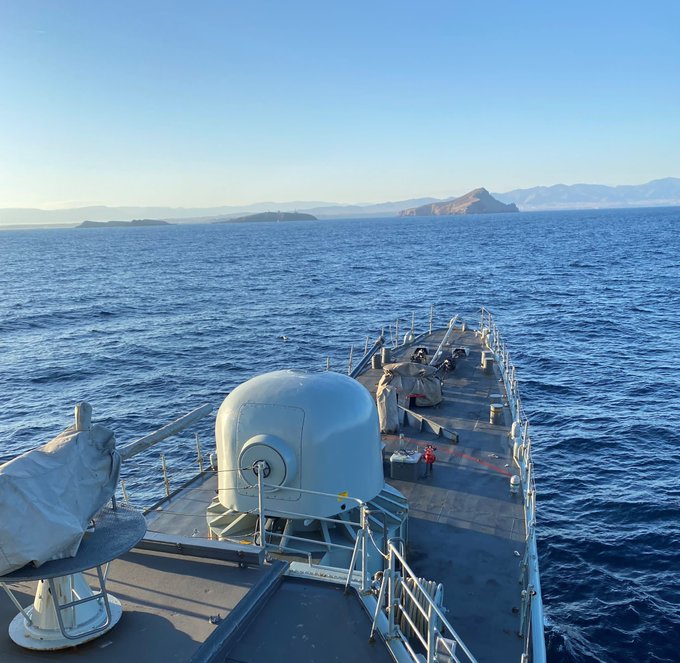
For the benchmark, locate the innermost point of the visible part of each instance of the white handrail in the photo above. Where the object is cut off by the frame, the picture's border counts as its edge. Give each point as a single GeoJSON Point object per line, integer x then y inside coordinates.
{"type": "Point", "coordinates": [430, 610]}
{"type": "Point", "coordinates": [532, 618]}
{"type": "Point", "coordinates": [394, 579]}
{"type": "Point", "coordinates": [344, 498]}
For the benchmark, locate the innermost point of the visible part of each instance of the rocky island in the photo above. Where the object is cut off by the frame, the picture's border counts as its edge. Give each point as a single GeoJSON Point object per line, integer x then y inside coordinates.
{"type": "Point", "coordinates": [123, 224]}
{"type": "Point", "coordinates": [270, 216]}
{"type": "Point", "coordinates": [479, 201]}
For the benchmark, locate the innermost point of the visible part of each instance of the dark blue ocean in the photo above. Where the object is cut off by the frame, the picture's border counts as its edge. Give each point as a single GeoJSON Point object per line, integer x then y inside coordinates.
{"type": "Point", "coordinates": [148, 323]}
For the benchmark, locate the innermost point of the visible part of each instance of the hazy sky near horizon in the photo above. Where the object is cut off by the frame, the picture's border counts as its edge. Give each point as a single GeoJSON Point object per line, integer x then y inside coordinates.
{"type": "Point", "coordinates": [216, 103]}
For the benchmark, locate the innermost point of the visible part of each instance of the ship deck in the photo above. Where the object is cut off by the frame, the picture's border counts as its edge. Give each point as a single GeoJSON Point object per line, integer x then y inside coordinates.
{"type": "Point", "coordinates": [168, 602]}
{"type": "Point", "coordinates": [466, 530]}
{"type": "Point", "coordinates": [194, 608]}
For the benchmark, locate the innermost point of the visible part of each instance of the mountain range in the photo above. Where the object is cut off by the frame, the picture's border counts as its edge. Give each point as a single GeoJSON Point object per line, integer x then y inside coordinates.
{"type": "Point", "coordinates": [657, 193]}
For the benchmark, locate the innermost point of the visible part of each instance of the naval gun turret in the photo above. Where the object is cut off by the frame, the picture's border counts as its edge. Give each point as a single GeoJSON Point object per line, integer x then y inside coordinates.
{"type": "Point", "coordinates": [316, 438]}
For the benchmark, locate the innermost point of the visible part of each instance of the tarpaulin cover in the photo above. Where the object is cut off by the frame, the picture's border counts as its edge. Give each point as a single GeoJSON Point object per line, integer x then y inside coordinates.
{"type": "Point", "coordinates": [388, 411]}
{"type": "Point", "coordinates": [410, 378]}
{"type": "Point", "coordinates": [48, 496]}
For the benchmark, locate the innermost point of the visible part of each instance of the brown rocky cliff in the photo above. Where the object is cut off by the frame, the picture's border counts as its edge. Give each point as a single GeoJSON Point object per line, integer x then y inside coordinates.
{"type": "Point", "coordinates": [479, 201]}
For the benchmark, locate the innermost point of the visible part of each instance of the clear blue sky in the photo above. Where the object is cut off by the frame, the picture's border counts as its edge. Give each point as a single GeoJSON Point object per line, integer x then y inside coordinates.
{"type": "Point", "coordinates": [210, 103]}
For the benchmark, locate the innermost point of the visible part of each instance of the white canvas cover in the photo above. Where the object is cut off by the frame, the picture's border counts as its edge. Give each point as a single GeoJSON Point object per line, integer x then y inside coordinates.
{"type": "Point", "coordinates": [412, 378]}
{"type": "Point", "coordinates": [388, 411]}
{"type": "Point", "coordinates": [49, 494]}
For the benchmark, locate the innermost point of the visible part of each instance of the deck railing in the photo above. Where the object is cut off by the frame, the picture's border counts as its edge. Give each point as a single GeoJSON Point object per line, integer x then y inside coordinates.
{"type": "Point", "coordinates": [266, 537]}
{"type": "Point", "coordinates": [128, 451]}
{"type": "Point", "coordinates": [396, 596]}
{"type": "Point", "coordinates": [438, 640]}
{"type": "Point", "coordinates": [368, 354]}
{"type": "Point", "coordinates": [404, 599]}
{"type": "Point", "coordinates": [531, 611]}
{"type": "Point", "coordinates": [401, 597]}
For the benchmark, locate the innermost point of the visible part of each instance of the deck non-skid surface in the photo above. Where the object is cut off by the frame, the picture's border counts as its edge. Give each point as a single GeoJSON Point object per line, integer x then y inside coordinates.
{"type": "Point", "coordinates": [167, 600]}
{"type": "Point", "coordinates": [184, 514]}
{"type": "Point", "coordinates": [466, 530]}
{"type": "Point", "coordinates": [310, 622]}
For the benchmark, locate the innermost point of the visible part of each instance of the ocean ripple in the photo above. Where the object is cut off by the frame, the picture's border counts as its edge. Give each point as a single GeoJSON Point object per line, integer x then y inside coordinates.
{"type": "Point", "coordinates": [148, 323]}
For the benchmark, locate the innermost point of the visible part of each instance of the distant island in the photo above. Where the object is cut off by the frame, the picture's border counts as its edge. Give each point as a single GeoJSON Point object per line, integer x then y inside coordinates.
{"type": "Point", "coordinates": [123, 224]}
{"type": "Point", "coordinates": [270, 216]}
{"type": "Point", "coordinates": [479, 201]}
{"type": "Point", "coordinates": [656, 193]}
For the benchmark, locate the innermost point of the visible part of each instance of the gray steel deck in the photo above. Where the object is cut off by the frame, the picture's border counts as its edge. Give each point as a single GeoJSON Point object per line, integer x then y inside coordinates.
{"type": "Point", "coordinates": [183, 513]}
{"type": "Point", "coordinates": [167, 601]}
{"type": "Point", "coordinates": [466, 530]}
{"type": "Point", "coordinates": [311, 622]}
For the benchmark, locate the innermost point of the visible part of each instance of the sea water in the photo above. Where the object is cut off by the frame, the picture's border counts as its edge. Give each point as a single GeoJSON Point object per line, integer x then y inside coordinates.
{"type": "Point", "coordinates": [149, 323]}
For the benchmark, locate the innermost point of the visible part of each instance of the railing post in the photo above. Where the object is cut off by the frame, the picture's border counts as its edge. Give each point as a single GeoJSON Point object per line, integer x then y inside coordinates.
{"type": "Point", "coordinates": [530, 476]}
{"type": "Point", "coordinates": [523, 612]}
{"type": "Point", "coordinates": [353, 562]}
{"type": "Point", "coordinates": [390, 591]}
{"type": "Point", "coordinates": [260, 501]}
{"type": "Point", "coordinates": [378, 607]}
{"type": "Point", "coordinates": [125, 495]}
{"type": "Point", "coordinates": [166, 482]}
{"type": "Point", "coordinates": [199, 454]}
{"type": "Point", "coordinates": [431, 644]}
{"type": "Point", "coordinates": [364, 551]}
{"type": "Point", "coordinates": [524, 564]}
